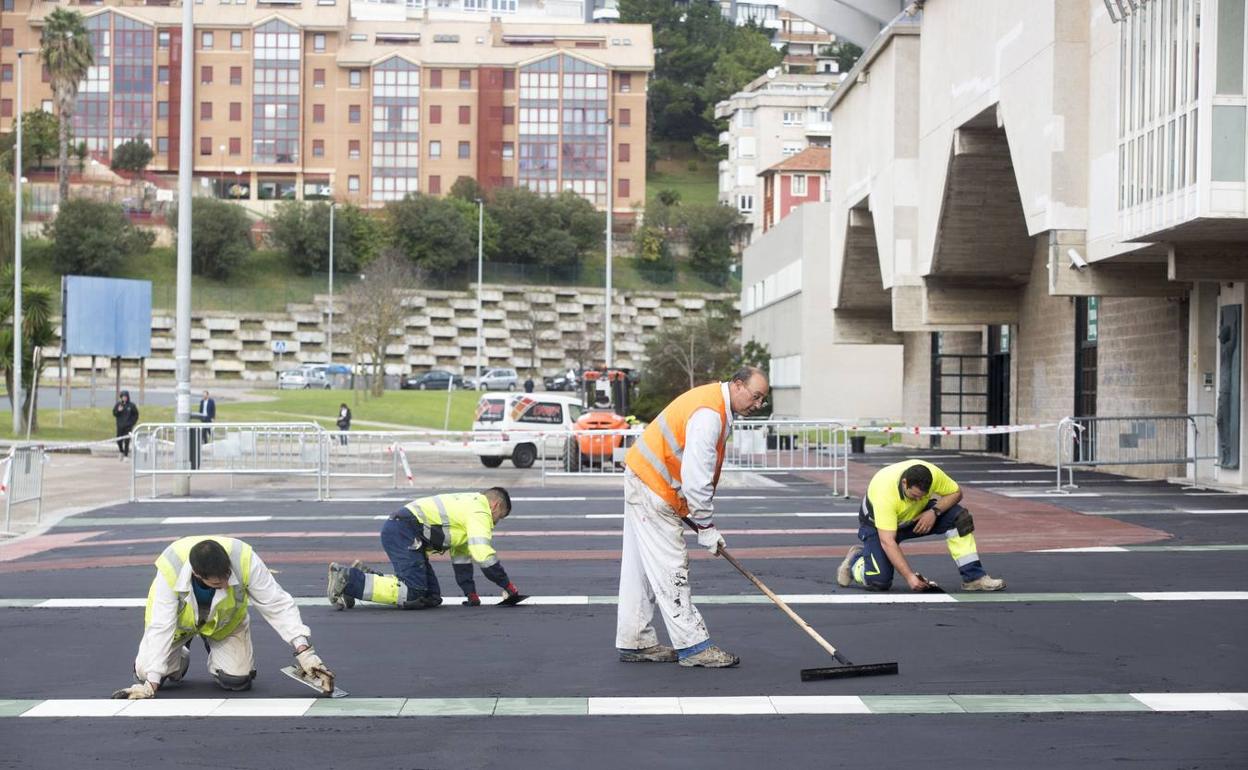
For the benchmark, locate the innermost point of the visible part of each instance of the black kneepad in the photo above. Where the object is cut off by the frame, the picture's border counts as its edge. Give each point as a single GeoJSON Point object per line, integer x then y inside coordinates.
{"type": "Point", "coordinates": [964, 523]}
{"type": "Point", "coordinates": [233, 682]}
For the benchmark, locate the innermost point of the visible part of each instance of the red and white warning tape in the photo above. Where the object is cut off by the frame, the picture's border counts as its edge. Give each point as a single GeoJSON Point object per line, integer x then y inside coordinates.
{"type": "Point", "coordinates": [407, 468]}
{"type": "Point", "coordinates": [949, 430]}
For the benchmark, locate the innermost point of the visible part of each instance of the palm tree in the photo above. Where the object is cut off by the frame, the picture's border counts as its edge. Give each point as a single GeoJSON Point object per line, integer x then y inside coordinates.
{"type": "Point", "coordinates": [38, 331]}
{"type": "Point", "coordinates": [67, 53]}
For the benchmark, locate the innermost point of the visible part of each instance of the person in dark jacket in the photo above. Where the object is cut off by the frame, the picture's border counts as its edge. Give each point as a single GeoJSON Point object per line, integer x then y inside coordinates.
{"type": "Point", "coordinates": [126, 415]}
{"type": "Point", "coordinates": [344, 421]}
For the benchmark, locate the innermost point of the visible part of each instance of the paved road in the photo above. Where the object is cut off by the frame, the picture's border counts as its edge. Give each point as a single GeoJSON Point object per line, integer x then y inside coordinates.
{"type": "Point", "coordinates": [1078, 664]}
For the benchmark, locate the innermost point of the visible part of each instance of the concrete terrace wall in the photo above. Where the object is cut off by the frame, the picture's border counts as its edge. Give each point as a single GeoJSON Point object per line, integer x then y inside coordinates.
{"type": "Point", "coordinates": [538, 327]}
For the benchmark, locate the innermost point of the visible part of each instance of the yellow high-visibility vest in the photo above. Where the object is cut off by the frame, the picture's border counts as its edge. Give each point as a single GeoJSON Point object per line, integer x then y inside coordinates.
{"type": "Point", "coordinates": [227, 614]}
{"type": "Point", "coordinates": [467, 525]}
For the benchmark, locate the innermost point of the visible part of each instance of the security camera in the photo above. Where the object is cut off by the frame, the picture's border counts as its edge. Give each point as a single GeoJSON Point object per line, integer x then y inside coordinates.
{"type": "Point", "coordinates": [1076, 262]}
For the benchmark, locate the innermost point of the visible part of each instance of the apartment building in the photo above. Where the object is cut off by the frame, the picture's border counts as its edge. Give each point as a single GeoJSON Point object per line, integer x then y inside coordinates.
{"type": "Point", "coordinates": [776, 116]}
{"type": "Point", "coordinates": [793, 182]}
{"type": "Point", "coordinates": [362, 101]}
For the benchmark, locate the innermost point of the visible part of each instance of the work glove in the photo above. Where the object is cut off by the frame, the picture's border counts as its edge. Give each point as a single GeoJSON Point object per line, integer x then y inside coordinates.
{"type": "Point", "coordinates": [512, 596]}
{"type": "Point", "coordinates": [141, 691]}
{"type": "Point", "coordinates": [314, 668]}
{"type": "Point", "coordinates": [472, 600]}
{"type": "Point", "coordinates": [709, 538]}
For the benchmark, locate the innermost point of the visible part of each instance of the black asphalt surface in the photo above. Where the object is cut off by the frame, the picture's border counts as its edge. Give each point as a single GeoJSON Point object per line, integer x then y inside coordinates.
{"type": "Point", "coordinates": [567, 651]}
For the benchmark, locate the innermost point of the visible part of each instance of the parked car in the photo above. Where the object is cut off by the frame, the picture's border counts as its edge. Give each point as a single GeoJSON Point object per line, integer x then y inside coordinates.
{"type": "Point", "coordinates": [304, 378]}
{"type": "Point", "coordinates": [504, 427]}
{"type": "Point", "coordinates": [435, 379]}
{"type": "Point", "coordinates": [497, 379]}
{"type": "Point", "coordinates": [561, 382]}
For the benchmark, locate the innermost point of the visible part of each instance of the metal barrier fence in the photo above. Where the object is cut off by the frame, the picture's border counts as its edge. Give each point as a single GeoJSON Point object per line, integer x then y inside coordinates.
{"type": "Point", "coordinates": [226, 449]}
{"type": "Point", "coordinates": [23, 481]}
{"type": "Point", "coordinates": [1180, 439]}
{"type": "Point", "coordinates": [387, 455]}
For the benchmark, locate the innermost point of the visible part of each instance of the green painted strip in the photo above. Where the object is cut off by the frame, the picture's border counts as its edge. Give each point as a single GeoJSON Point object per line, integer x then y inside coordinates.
{"type": "Point", "coordinates": [8, 603]}
{"type": "Point", "coordinates": [911, 704]}
{"type": "Point", "coordinates": [356, 707]}
{"type": "Point", "coordinates": [13, 708]}
{"type": "Point", "coordinates": [512, 707]}
{"type": "Point", "coordinates": [1033, 704]}
{"type": "Point", "coordinates": [448, 707]}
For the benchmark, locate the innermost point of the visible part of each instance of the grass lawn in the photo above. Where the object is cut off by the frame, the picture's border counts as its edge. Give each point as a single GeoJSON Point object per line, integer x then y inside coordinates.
{"type": "Point", "coordinates": [672, 172]}
{"type": "Point", "coordinates": [410, 408]}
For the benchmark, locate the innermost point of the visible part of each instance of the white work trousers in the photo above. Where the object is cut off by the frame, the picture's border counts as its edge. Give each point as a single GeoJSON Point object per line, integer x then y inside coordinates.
{"type": "Point", "coordinates": [654, 568]}
{"type": "Point", "coordinates": [232, 655]}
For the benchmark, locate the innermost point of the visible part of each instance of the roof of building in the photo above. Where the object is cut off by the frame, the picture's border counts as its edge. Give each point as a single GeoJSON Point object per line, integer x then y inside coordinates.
{"type": "Point", "coordinates": [809, 159]}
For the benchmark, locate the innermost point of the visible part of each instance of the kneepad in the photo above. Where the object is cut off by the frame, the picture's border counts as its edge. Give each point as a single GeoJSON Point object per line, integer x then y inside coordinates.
{"type": "Point", "coordinates": [964, 523]}
{"type": "Point", "coordinates": [233, 682]}
{"type": "Point", "coordinates": [421, 603]}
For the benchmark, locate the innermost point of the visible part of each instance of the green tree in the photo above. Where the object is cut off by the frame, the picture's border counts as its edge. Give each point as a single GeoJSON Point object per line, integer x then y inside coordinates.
{"type": "Point", "coordinates": [67, 52]}
{"type": "Point", "coordinates": [40, 135]}
{"type": "Point", "coordinates": [654, 253]}
{"type": "Point", "coordinates": [468, 189]}
{"type": "Point", "coordinates": [431, 233]}
{"type": "Point", "coordinates": [220, 237]}
{"type": "Point", "coordinates": [711, 231]}
{"type": "Point", "coordinates": [301, 232]}
{"type": "Point", "coordinates": [133, 155]}
{"type": "Point", "coordinates": [6, 220]}
{"type": "Point", "coordinates": [845, 53]}
{"type": "Point", "coordinates": [746, 54]}
{"type": "Point", "coordinates": [92, 237]}
{"type": "Point", "coordinates": [38, 331]}
{"type": "Point", "coordinates": [518, 212]}
{"type": "Point", "coordinates": [362, 235]}
{"type": "Point", "coordinates": [577, 217]}
{"type": "Point", "coordinates": [683, 355]}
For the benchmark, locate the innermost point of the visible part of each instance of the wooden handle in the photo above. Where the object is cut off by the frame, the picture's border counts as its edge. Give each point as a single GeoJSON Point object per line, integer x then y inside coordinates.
{"type": "Point", "coordinates": [779, 603]}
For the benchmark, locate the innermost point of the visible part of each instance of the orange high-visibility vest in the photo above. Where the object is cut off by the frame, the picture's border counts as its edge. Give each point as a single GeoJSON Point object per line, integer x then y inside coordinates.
{"type": "Point", "coordinates": [656, 456]}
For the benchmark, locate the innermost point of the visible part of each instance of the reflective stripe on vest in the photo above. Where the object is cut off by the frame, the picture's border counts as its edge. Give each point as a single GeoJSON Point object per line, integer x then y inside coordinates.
{"type": "Point", "coordinates": [657, 455]}
{"type": "Point", "coordinates": [228, 613]}
{"type": "Point", "coordinates": [459, 523]}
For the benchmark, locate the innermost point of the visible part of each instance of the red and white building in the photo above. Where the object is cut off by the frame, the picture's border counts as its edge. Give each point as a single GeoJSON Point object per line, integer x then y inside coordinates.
{"type": "Point", "coordinates": [793, 181]}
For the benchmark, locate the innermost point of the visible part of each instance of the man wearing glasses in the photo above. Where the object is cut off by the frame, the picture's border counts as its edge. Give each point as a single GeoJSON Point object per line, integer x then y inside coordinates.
{"type": "Point", "coordinates": [671, 474]}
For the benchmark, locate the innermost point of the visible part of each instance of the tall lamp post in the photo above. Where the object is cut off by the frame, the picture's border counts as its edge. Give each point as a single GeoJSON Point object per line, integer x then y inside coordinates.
{"type": "Point", "coordinates": [610, 351]}
{"type": "Point", "coordinates": [480, 276]}
{"type": "Point", "coordinates": [332, 205]}
{"type": "Point", "coordinates": [182, 307]}
{"type": "Point", "coordinates": [17, 257]}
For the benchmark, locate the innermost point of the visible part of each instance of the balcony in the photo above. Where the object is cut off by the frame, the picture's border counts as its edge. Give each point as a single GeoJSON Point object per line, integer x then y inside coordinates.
{"type": "Point", "coordinates": [819, 128]}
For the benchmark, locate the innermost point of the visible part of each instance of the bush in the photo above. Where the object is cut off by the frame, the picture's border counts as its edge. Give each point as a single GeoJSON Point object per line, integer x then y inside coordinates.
{"type": "Point", "coordinates": [431, 233]}
{"type": "Point", "coordinates": [301, 232]}
{"type": "Point", "coordinates": [92, 238]}
{"type": "Point", "coordinates": [133, 155]}
{"type": "Point", "coordinates": [220, 237]}
{"type": "Point", "coordinates": [554, 232]}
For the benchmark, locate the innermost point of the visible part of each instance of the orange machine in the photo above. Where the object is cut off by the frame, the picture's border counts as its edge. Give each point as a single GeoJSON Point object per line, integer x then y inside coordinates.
{"type": "Point", "coordinates": [607, 396]}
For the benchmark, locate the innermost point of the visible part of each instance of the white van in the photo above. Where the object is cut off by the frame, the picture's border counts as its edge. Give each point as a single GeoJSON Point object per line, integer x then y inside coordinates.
{"type": "Point", "coordinates": [504, 424]}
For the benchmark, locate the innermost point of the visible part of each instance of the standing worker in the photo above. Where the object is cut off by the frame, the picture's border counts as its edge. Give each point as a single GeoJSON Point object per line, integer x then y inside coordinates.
{"type": "Point", "coordinates": [462, 523]}
{"type": "Point", "coordinates": [202, 587]}
{"type": "Point", "coordinates": [126, 415]}
{"type": "Point", "coordinates": [906, 500]}
{"type": "Point", "coordinates": [672, 472]}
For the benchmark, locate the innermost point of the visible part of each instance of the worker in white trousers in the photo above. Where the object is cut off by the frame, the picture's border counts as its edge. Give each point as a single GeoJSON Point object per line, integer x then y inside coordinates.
{"type": "Point", "coordinates": [672, 473]}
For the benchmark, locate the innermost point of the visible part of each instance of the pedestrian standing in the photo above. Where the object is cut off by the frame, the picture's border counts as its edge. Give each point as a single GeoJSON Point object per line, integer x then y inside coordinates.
{"type": "Point", "coordinates": [344, 422]}
{"type": "Point", "coordinates": [126, 415]}
{"type": "Point", "coordinates": [206, 414]}
{"type": "Point", "coordinates": [528, 385]}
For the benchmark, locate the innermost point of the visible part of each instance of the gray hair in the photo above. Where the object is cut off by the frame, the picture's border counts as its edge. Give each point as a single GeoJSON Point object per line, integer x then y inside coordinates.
{"type": "Point", "coordinates": [744, 374]}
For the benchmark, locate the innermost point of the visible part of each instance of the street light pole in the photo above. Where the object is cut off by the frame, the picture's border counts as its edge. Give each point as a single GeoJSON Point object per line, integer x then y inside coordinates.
{"type": "Point", "coordinates": [610, 352]}
{"type": "Point", "coordinates": [332, 206]}
{"type": "Point", "coordinates": [480, 276]}
{"type": "Point", "coordinates": [182, 307]}
{"type": "Point", "coordinates": [17, 258]}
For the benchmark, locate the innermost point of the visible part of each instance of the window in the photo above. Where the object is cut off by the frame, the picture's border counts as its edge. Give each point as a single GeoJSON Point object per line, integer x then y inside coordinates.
{"type": "Point", "coordinates": [162, 145]}
{"type": "Point", "coordinates": [318, 78]}
{"type": "Point", "coordinates": [45, 74]}
{"type": "Point", "coordinates": [791, 118]}
{"type": "Point", "coordinates": [625, 153]}
{"type": "Point", "coordinates": [354, 78]}
{"type": "Point", "coordinates": [162, 110]}
{"type": "Point", "coordinates": [6, 108]}
{"type": "Point", "coordinates": [205, 110]}
{"type": "Point", "coordinates": [746, 147]}
{"type": "Point", "coordinates": [544, 413]}
{"type": "Point", "coordinates": [353, 184]}
{"type": "Point", "coordinates": [318, 42]}
{"type": "Point", "coordinates": [789, 149]}
{"type": "Point", "coordinates": [6, 73]}
{"type": "Point", "coordinates": [205, 75]}
{"type": "Point", "coordinates": [236, 145]}
{"type": "Point", "coordinates": [435, 113]}
{"type": "Point", "coordinates": [236, 76]}
{"type": "Point", "coordinates": [353, 149]}
{"type": "Point", "coordinates": [318, 113]}
{"type": "Point", "coordinates": [318, 148]}
{"type": "Point", "coordinates": [236, 111]}
{"type": "Point", "coordinates": [623, 186]}
{"type": "Point", "coordinates": [465, 79]}
{"type": "Point", "coordinates": [625, 80]}
{"type": "Point", "coordinates": [745, 204]}
{"type": "Point", "coordinates": [626, 117]}
{"type": "Point", "coordinates": [162, 74]}
{"type": "Point", "coordinates": [276, 111]}
{"type": "Point", "coordinates": [396, 138]}
{"type": "Point", "coordinates": [236, 41]}
{"type": "Point", "coordinates": [162, 39]}
{"type": "Point", "coordinates": [745, 118]}
{"type": "Point", "coordinates": [435, 78]}
{"type": "Point", "coordinates": [353, 113]}
{"type": "Point", "coordinates": [6, 37]}
{"type": "Point", "coordinates": [435, 149]}
{"type": "Point", "coordinates": [435, 185]}
{"type": "Point", "coordinates": [509, 80]}
{"type": "Point", "coordinates": [799, 184]}
{"type": "Point", "coordinates": [465, 150]}
{"type": "Point", "coordinates": [509, 116]}
{"type": "Point", "coordinates": [465, 115]}
{"type": "Point", "coordinates": [46, 105]}
{"type": "Point", "coordinates": [205, 40]}
{"type": "Point", "coordinates": [205, 145]}
{"type": "Point", "coordinates": [8, 5]}
{"type": "Point", "coordinates": [509, 150]}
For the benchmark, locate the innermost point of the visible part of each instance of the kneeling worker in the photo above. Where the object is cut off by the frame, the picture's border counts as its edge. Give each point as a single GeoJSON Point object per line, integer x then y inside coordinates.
{"type": "Point", "coordinates": [202, 587]}
{"type": "Point", "coordinates": [462, 523]}
{"type": "Point", "coordinates": [906, 500]}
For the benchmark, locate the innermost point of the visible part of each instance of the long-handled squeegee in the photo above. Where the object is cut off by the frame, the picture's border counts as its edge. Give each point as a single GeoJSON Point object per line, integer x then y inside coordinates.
{"type": "Point", "coordinates": [846, 669]}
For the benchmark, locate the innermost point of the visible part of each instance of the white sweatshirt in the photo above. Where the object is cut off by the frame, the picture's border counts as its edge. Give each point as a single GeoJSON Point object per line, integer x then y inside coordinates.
{"type": "Point", "coordinates": [703, 434]}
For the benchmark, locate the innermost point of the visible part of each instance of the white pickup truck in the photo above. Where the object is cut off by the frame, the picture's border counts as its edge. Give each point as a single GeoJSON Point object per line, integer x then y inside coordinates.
{"type": "Point", "coordinates": [505, 425]}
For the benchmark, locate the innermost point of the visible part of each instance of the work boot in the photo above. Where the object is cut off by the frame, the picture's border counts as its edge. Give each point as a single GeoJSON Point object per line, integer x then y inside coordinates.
{"type": "Point", "coordinates": [655, 653]}
{"type": "Point", "coordinates": [335, 585]}
{"type": "Point", "coordinates": [425, 602]}
{"type": "Point", "coordinates": [985, 583]}
{"type": "Point", "coordinates": [362, 567]}
{"type": "Point", "coordinates": [711, 657]}
{"type": "Point", "coordinates": [845, 572]}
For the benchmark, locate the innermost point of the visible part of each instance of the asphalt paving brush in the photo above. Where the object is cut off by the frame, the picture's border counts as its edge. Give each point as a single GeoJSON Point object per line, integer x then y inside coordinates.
{"type": "Point", "coordinates": [845, 669]}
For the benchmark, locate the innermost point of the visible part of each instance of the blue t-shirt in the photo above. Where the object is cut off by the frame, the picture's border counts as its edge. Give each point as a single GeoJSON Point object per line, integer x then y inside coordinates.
{"type": "Point", "coordinates": [203, 594]}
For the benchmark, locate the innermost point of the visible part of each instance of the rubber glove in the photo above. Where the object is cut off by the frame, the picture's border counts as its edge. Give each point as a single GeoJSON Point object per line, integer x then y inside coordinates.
{"type": "Point", "coordinates": [141, 691]}
{"type": "Point", "coordinates": [710, 539]}
{"type": "Point", "coordinates": [313, 667]}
